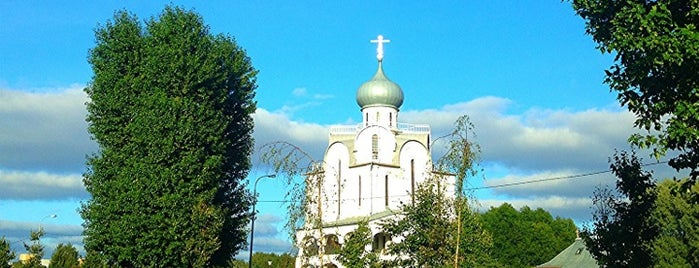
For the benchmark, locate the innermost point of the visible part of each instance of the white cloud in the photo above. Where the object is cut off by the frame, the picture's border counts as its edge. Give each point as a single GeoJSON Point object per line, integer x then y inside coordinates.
{"type": "Point", "coordinates": [25, 185]}
{"type": "Point", "coordinates": [536, 139]}
{"type": "Point", "coordinates": [272, 127]}
{"type": "Point", "coordinates": [45, 130]}
{"type": "Point", "coordinates": [299, 91]}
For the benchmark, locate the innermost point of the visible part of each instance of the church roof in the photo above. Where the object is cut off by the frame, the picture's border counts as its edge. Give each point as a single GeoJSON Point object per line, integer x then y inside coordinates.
{"type": "Point", "coordinates": [380, 91]}
{"type": "Point", "coordinates": [575, 255]}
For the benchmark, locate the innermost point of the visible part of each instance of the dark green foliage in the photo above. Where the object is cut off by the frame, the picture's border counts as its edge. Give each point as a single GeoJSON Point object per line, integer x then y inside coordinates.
{"type": "Point", "coordinates": [623, 230]}
{"type": "Point", "coordinates": [527, 237]}
{"type": "Point", "coordinates": [6, 253]}
{"type": "Point", "coordinates": [677, 244]}
{"type": "Point", "coordinates": [655, 71]}
{"type": "Point", "coordinates": [35, 250]}
{"type": "Point", "coordinates": [65, 256]}
{"type": "Point", "coordinates": [429, 228]}
{"type": "Point", "coordinates": [170, 107]}
{"type": "Point", "coordinates": [354, 253]}
{"type": "Point", "coordinates": [426, 227]}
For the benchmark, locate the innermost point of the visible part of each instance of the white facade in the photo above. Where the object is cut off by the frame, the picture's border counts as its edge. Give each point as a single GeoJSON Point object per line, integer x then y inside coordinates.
{"type": "Point", "coordinates": [369, 170]}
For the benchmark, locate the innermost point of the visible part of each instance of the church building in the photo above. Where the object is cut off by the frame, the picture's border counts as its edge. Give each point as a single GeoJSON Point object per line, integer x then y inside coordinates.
{"type": "Point", "coordinates": [369, 169]}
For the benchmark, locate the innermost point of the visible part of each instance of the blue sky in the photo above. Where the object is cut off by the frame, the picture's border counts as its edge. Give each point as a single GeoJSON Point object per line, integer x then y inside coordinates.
{"type": "Point", "coordinates": [524, 71]}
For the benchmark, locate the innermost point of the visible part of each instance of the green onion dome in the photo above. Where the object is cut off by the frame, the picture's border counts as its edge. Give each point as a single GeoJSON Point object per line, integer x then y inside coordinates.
{"type": "Point", "coordinates": [380, 91]}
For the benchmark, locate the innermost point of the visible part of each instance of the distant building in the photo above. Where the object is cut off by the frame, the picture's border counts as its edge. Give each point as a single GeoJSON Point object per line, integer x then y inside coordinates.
{"type": "Point", "coordinates": [25, 257]}
{"type": "Point", "coordinates": [369, 169]}
{"type": "Point", "coordinates": [574, 256]}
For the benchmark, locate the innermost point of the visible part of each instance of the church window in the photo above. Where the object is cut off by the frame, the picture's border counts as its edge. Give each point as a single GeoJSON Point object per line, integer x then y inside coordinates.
{"type": "Point", "coordinates": [375, 146]}
{"type": "Point", "coordinates": [339, 185]}
{"type": "Point", "coordinates": [332, 244]}
{"type": "Point", "coordinates": [310, 246]}
{"type": "Point", "coordinates": [390, 119]}
{"type": "Point", "coordinates": [379, 242]}
{"type": "Point", "coordinates": [366, 119]}
{"type": "Point", "coordinates": [359, 197]}
{"type": "Point", "coordinates": [386, 190]}
{"type": "Point", "coordinates": [428, 141]}
{"type": "Point", "coordinates": [412, 179]}
{"type": "Point", "coordinates": [377, 118]}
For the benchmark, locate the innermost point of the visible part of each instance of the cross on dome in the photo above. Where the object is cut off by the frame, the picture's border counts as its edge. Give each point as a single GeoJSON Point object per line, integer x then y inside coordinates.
{"type": "Point", "coordinates": [379, 46]}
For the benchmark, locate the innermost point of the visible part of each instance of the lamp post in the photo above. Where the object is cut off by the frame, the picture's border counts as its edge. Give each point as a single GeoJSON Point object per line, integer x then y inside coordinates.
{"type": "Point", "coordinates": [254, 213]}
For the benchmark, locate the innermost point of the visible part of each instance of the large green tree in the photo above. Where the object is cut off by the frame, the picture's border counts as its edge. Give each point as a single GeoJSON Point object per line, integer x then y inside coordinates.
{"type": "Point", "coordinates": [170, 107]}
{"type": "Point", "coordinates": [656, 47]}
{"type": "Point", "coordinates": [65, 256]}
{"type": "Point", "coordinates": [677, 244]}
{"type": "Point", "coordinates": [527, 237]}
{"type": "Point", "coordinates": [7, 255]}
{"type": "Point", "coordinates": [623, 231]}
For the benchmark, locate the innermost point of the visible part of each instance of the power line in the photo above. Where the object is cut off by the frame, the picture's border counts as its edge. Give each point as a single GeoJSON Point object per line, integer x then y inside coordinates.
{"type": "Point", "coordinates": [575, 176]}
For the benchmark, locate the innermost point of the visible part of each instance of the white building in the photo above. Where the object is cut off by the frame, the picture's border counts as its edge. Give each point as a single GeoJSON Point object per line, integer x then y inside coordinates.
{"type": "Point", "coordinates": [369, 169]}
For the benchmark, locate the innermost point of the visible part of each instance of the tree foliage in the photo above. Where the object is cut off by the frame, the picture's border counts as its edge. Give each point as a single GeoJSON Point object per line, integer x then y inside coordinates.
{"type": "Point", "coordinates": [623, 231]}
{"type": "Point", "coordinates": [6, 253]}
{"type": "Point", "coordinates": [65, 256]}
{"type": "Point", "coordinates": [527, 237]}
{"type": "Point", "coordinates": [428, 229]}
{"type": "Point", "coordinates": [677, 244]}
{"type": "Point", "coordinates": [354, 253]}
{"type": "Point", "coordinates": [438, 229]}
{"type": "Point", "coordinates": [170, 108]}
{"type": "Point", "coordinates": [35, 250]}
{"type": "Point", "coordinates": [657, 54]}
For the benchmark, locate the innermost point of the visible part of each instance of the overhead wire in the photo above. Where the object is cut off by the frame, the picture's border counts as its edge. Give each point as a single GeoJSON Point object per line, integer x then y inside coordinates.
{"type": "Point", "coordinates": [510, 184]}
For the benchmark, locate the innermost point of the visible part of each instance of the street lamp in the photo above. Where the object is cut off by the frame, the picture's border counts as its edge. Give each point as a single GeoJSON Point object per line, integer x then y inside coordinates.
{"type": "Point", "coordinates": [254, 213]}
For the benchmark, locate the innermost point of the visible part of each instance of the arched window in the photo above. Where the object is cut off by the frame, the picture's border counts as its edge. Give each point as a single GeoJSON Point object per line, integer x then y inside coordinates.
{"type": "Point", "coordinates": [386, 192]}
{"type": "Point", "coordinates": [412, 179]}
{"type": "Point", "coordinates": [375, 146]}
{"type": "Point", "coordinates": [332, 244]}
{"type": "Point", "coordinates": [339, 186]}
{"type": "Point", "coordinates": [379, 242]}
{"type": "Point", "coordinates": [390, 119]}
{"type": "Point", "coordinates": [310, 246]}
{"type": "Point", "coordinates": [359, 195]}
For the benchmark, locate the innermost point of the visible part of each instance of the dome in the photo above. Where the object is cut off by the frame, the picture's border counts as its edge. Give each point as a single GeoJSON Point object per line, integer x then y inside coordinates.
{"type": "Point", "coordinates": [380, 91]}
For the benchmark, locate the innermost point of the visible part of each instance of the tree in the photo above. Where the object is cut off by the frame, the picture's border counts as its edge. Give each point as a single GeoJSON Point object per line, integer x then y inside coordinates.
{"type": "Point", "coordinates": [354, 253]}
{"type": "Point", "coordinates": [429, 231]}
{"type": "Point", "coordinates": [623, 231]}
{"type": "Point", "coordinates": [6, 253]}
{"type": "Point", "coordinates": [35, 250]}
{"type": "Point", "coordinates": [170, 108]}
{"type": "Point", "coordinates": [654, 73]}
{"type": "Point", "coordinates": [65, 256]}
{"type": "Point", "coordinates": [441, 230]}
{"type": "Point", "coordinates": [677, 244]}
{"type": "Point", "coordinates": [527, 237]}
{"type": "Point", "coordinates": [426, 228]}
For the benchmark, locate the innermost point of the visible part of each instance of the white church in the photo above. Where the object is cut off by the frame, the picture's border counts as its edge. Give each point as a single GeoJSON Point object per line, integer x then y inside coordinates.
{"type": "Point", "coordinates": [369, 169]}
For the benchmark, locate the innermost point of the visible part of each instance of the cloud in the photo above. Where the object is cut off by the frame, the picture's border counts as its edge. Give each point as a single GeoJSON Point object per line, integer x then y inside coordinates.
{"type": "Point", "coordinates": [269, 237]}
{"type": "Point", "coordinates": [26, 185]}
{"type": "Point", "coordinates": [537, 139]}
{"type": "Point", "coordinates": [45, 130]}
{"type": "Point", "coordinates": [271, 127]}
{"type": "Point", "coordinates": [299, 92]}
